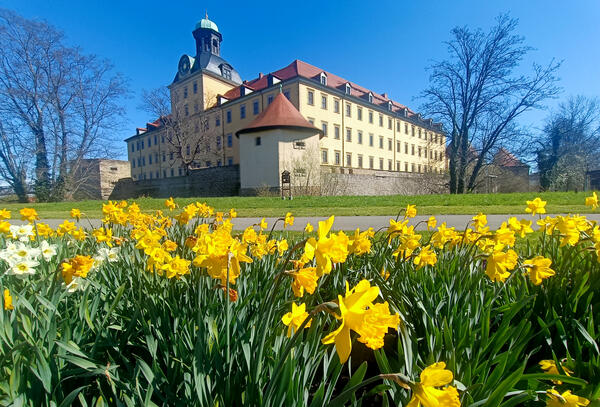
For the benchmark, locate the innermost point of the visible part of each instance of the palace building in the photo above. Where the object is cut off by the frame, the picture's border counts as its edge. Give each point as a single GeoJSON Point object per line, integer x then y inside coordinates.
{"type": "Point", "coordinates": [213, 111]}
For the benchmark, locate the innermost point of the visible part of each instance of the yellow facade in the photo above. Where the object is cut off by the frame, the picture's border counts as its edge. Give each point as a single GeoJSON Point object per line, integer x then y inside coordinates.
{"type": "Point", "coordinates": [358, 134]}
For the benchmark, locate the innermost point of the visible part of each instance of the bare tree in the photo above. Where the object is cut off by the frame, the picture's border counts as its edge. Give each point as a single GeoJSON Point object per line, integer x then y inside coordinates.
{"type": "Point", "coordinates": [570, 145]}
{"type": "Point", "coordinates": [476, 94]}
{"type": "Point", "coordinates": [192, 136]}
{"type": "Point", "coordinates": [65, 104]}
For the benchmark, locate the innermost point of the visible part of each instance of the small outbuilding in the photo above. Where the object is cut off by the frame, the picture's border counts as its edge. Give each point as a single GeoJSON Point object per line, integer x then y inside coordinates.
{"type": "Point", "coordinates": [279, 139]}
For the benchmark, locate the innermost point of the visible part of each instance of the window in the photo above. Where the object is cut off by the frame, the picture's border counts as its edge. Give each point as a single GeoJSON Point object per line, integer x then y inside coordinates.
{"type": "Point", "coordinates": [171, 156]}
{"type": "Point", "coordinates": [219, 144]}
{"type": "Point", "coordinates": [133, 164]}
{"type": "Point", "coordinates": [370, 97]}
{"type": "Point", "coordinates": [398, 166]}
{"type": "Point", "coordinates": [323, 79]}
{"type": "Point", "coordinates": [406, 128]}
{"type": "Point", "coordinates": [162, 139]}
{"type": "Point", "coordinates": [390, 144]}
{"type": "Point", "coordinates": [398, 129]}
{"type": "Point", "coordinates": [155, 140]}
{"type": "Point", "coordinates": [257, 141]}
{"type": "Point", "coordinates": [381, 142]}
{"type": "Point", "coordinates": [226, 72]}
{"type": "Point", "coordinates": [229, 160]}
{"type": "Point", "coordinates": [371, 162]}
{"type": "Point", "coordinates": [412, 149]}
{"type": "Point", "coordinates": [405, 148]}
{"type": "Point", "coordinates": [228, 116]}
{"type": "Point", "coordinates": [348, 110]}
{"type": "Point", "coordinates": [419, 152]}
{"type": "Point", "coordinates": [336, 106]}
{"type": "Point", "coordinates": [419, 136]}
{"type": "Point", "coordinates": [380, 120]}
{"type": "Point", "coordinates": [195, 87]}
{"type": "Point", "coordinates": [269, 100]}
{"type": "Point", "coordinates": [230, 140]}
{"type": "Point", "coordinates": [195, 107]}
{"type": "Point", "coordinates": [217, 121]}
{"type": "Point", "coordinates": [359, 113]}
{"type": "Point", "coordinates": [311, 120]}
{"type": "Point", "coordinates": [348, 89]}
{"type": "Point", "coordinates": [348, 160]}
{"type": "Point", "coordinates": [397, 146]}
{"type": "Point", "coordinates": [360, 161]}
{"type": "Point", "coordinates": [172, 172]}
{"type": "Point", "coordinates": [389, 165]}
{"type": "Point", "coordinates": [359, 136]}
{"type": "Point", "coordinates": [132, 147]}
{"type": "Point", "coordinates": [157, 174]}
{"type": "Point", "coordinates": [180, 171]}
{"type": "Point", "coordinates": [255, 107]}
{"type": "Point", "coordinates": [370, 117]}
{"type": "Point", "coordinates": [349, 135]}
{"type": "Point", "coordinates": [406, 167]}
{"type": "Point", "coordinates": [381, 163]}
{"type": "Point", "coordinates": [151, 175]}
{"type": "Point", "coordinates": [336, 132]}
{"type": "Point", "coordinates": [208, 163]}
{"type": "Point", "coordinates": [413, 130]}
{"type": "Point", "coordinates": [164, 157]}
{"type": "Point", "coordinates": [323, 102]}
{"type": "Point", "coordinates": [164, 173]}
{"type": "Point", "coordinates": [185, 93]}
{"type": "Point", "coordinates": [370, 139]}
{"type": "Point", "coordinates": [149, 159]}
{"type": "Point", "coordinates": [187, 151]}
{"type": "Point", "coordinates": [311, 97]}
{"type": "Point", "coordinates": [419, 168]}
{"type": "Point", "coordinates": [143, 144]}
{"type": "Point", "coordinates": [389, 123]}
{"type": "Point", "coordinates": [324, 127]}
{"type": "Point", "coordinates": [337, 156]}
{"type": "Point", "coordinates": [242, 111]}
{"type": "Point", "coordinates": [324, 156]}
{"type": "Point", "coordinates": [149, 141]}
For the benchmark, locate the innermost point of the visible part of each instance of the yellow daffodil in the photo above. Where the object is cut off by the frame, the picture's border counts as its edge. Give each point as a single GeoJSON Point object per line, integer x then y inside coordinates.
{"type": "Point", "coordinates": [549, 367]}
{"type": "Point", "coordinates": [304, 279]}
{"type": "Point", "coordinates": [170, 203]}
{"type": "Point", "coordinates": [78, 266]}
{"type": "Point", "coordinates": [359, 314]}
{"type": "Point", "coordinates": [589, 201]}
{"type": "Point", "coordinates": [289, 220]}
{"type": "Point", "coordinates": [566, 399]}
{"type": "Point", "coordinates": [360, 243]}
{"type": "Point", "coordinates": [282, 247]}
{"type": "Point", "coordinates": [479, 221]}
{"type": "Point", "coordinates": [7, 300]}
{"type": "Point", "coordinates": [385, 274]}
{"type": "Point", "coordinates": [327, 249]}
{"type": "Point", "coordinates": [29, 214]}
{"type": "Point", "coordinates": [308, 228]}
{"type": "Point", "coordinates": [427, 394]}
{"type": "Point", "coordinates": [425, 257]}
{"type": "Point", "coordinates": [263, 224]}
{"type": "Point", "coordinates": [294, 319]}
{"type": "Point", "coordinates": [76, 214]}
{"type": "Point", "coordinates": [232, 213]}
{"type": "Point", "coordinates": [410, 211]}
{"type": "Point", "coordinates": [500, 263]}
{"type": "Point", "coordinates": [431, 223]}
{"type": "Point", "coordinates": [538, 269]}
{"type": "Point", "coordinates": [536, 206]}
{"type": "Point", "coordinates": [4, 214]}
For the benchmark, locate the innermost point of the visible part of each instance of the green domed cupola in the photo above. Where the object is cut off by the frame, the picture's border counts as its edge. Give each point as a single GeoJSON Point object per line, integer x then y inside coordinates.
{"type": "Point", "coordinates": [206, 23]}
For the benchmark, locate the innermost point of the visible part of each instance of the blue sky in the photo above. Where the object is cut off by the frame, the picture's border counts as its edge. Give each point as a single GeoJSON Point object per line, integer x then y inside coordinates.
{"type": "Point", "coordinates": [383, 45]}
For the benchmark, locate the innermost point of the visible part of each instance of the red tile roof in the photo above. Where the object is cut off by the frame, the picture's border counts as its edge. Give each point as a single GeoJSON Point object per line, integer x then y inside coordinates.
{"type": "Point", "coordinates": [305, 70]}
{"type": "Point", "coordinates": [504, 158]}
{"type": "Point", "coordinates": [281, 113]}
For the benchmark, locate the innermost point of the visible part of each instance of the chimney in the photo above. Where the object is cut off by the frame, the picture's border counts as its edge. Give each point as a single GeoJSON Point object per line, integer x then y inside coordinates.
{"type": "Point", "coordinates": [260, 75]}
{"type": "Point", "coordinates": [384, 95]}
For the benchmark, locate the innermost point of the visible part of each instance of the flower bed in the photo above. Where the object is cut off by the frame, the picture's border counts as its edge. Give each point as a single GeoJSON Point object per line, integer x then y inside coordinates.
{"type": "Point", "coordinates": [176, 308]}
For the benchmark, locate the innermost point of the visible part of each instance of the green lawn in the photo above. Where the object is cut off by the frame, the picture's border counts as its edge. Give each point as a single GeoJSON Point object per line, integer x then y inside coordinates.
{"type": "Point", "coordinates": [558, 202]}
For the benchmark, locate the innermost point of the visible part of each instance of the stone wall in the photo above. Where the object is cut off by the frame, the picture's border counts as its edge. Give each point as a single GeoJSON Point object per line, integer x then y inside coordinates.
{"type": "Point", "coordinates": [344, 181]}
{"type": "Point", "coordinates": [216, 181]}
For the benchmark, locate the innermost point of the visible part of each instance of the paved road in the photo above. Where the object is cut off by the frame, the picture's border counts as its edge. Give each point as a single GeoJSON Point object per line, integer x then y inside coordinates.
{"type": "Point", "coordinates": [352, 222]}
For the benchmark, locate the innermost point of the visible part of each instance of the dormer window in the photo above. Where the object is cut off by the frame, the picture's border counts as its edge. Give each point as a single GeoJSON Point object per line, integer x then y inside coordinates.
{"type": "Point", "coordinates": [390, 106]}
{"type": "Point", "coordinates": [323, 79]}
{"type": "Point", "coordinates": [348, 89]}
{"type": "Point", "coordinates": [370, 97]}
{"type": "Point", "coordinates": [226, 71]}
